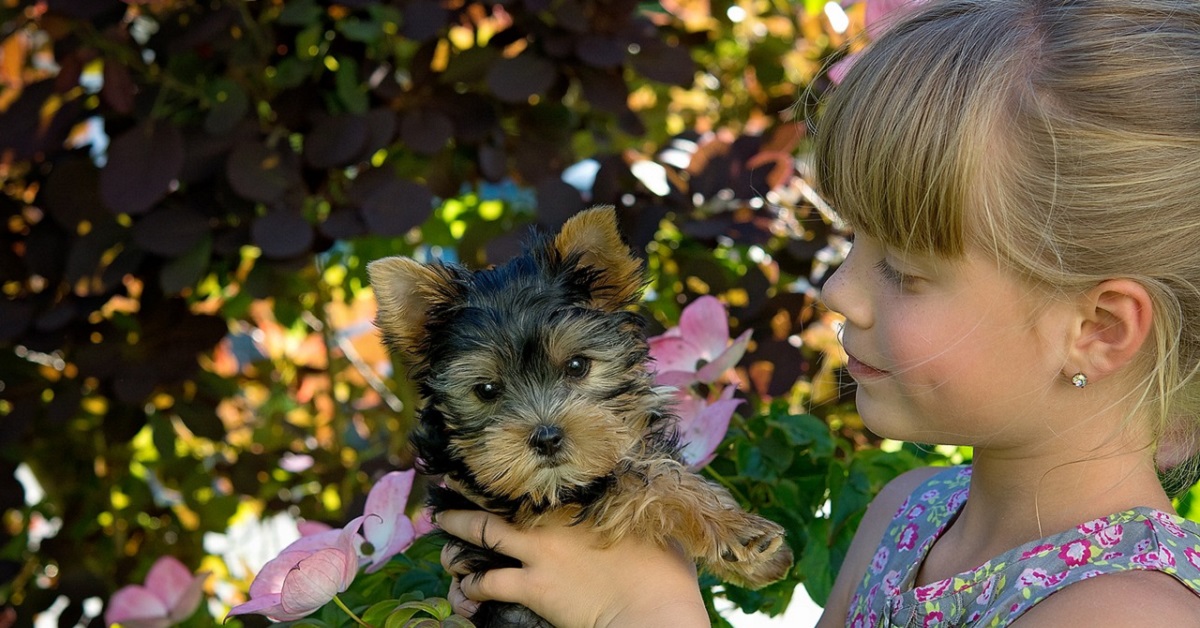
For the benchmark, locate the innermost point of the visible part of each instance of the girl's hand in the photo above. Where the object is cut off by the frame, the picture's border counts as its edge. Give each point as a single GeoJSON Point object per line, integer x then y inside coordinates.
{"type": "Point", "coordinates": [570, 580]}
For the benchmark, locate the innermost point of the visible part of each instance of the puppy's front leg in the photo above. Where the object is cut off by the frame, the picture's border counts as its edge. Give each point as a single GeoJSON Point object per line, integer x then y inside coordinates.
{"type": "Point", "coordinates": [663, 501]}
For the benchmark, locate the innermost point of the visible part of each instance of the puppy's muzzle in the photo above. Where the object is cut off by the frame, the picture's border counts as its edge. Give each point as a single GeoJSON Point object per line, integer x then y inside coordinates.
{"type": "Point", "coordinates": [547, 440]}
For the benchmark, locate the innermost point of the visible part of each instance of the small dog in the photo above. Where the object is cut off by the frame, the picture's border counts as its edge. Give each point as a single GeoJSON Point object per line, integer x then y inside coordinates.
{"type": "Point", "coordinates": [538, 404]}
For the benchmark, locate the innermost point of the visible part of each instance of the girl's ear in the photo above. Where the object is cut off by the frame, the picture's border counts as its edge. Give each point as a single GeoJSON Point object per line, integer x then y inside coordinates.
{"type": "Point", "coordinates": [1115, 320]}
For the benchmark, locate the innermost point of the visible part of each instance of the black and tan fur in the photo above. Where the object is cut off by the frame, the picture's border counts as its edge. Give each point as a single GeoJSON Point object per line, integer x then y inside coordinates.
{"type": "Point", "coordinates": [537, 402]}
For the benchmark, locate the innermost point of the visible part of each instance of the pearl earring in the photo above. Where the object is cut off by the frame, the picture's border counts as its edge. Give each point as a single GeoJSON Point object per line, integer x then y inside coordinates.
{"type": "Point", "coordinates": [1079, 380]}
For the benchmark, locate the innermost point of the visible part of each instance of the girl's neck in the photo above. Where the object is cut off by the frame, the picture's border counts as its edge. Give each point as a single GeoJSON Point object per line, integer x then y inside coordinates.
{"type": "Point", "coordinates": [1014, 501]}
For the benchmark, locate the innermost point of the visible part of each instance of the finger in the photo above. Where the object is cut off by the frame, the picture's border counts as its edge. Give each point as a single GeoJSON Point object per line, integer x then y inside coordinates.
{"type": "Point", "coordinates": [459, 601]}
{"type": "Point", "coordinates": [484, 530]}
{"type": "Point", "coordinates": [450, 562]}
{"type": "Point", "coordinates": [498, 584]}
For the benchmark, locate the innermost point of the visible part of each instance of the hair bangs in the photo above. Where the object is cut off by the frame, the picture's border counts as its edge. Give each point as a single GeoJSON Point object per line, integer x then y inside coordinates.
{"type": "Point", "coordinates": [902, 139]}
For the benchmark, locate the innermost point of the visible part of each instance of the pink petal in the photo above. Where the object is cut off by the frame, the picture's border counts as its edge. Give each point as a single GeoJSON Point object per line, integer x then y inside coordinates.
{"type": "Point", "coordinates": [269, 580]}
{"type": "Point", "coordinates": [385, 507]}
{"type": "Point", "coordinates": [175, 585]}
{"type": "Point", "coordinates": [837, 72]}
{"type": "Point", "coordinates": [708, 429]}
{"type": "Point", "coordinates": [314, 581]}
{"type": "Point", "coordinates": [310, 528]}
{"type": "Point", "coordinates": [267, 605]}
{"type": "Point", "coordinates": [673, 353]}
{"type": "Point", "coordinates": [423, 524]}
{"type": "Point", "coordinates": [348, 546]}
{"type": "Point", "coordinates": [678, 379]}
{"type": "Point", "coordinates": [881, 14]}
{"type": "Point", "coordinates": [403, 535]}
{"type": "Point", "coordinates": [134, 602]}
{"type": "Point", "coordinates": [727, 359]}
{"type": "Point", "coordinates": [705, 325]}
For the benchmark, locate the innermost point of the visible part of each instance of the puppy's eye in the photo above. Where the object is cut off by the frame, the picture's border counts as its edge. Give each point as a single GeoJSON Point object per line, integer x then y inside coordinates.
{"type": "Point", "coordinates": [488, 391]}
{"type": "Point", "coordinates": [577, 366]}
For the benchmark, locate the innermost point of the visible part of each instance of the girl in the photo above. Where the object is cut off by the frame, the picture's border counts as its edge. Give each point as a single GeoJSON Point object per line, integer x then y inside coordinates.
{"type": "Point", "coordinates": [1023, 177]}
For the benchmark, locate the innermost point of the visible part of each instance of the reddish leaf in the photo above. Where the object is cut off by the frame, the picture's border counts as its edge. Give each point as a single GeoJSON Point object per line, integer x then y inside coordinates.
{"type": "Point", "coordinates": [515, 80]}
{"type": "Point", "coordinates": [424, 19]}
{"type": "Point", "coordinates": [395, 206]}
{"type": "Point", "coordinates": [262, 173]}
{"type": "Point", "coordinates": [605, 91]}
{"type": "Point", "coordinates": [282, 234]}
{"type": "Point", "coordinates": [336, 141]}
{"type": "Point", "coordinates": [119, 90]}
{"type": "Point", "coordinates": [71, 194]}
{"type": "Point", "coordinates": [171, 231]}
{"type": "Point", "coordinates": [425, 132]}
{"type": "Point", "coordinates": [601, 52]}
{"type": "Point", "coordinates": [493, 163]}
{"type": "Point", "coordinates": [557, 200]}
{"type": "Point", "coordinates": [658, 61]}
{"type": "Point", "coordinates": [142, 164]}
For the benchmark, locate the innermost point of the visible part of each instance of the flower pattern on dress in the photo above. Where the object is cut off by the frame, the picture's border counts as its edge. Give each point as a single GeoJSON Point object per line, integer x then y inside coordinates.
{"type": "Point", "coordinates": [1000, 590]}
{"type": "Point", "coordinates": [1076, 553]}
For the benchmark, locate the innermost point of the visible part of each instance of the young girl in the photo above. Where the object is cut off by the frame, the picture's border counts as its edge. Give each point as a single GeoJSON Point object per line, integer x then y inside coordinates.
{"type": "Point", "coordinates": [1023, 178]}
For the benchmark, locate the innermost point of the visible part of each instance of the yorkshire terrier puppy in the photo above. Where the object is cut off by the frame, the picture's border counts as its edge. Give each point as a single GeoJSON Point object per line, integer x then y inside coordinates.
{"type": "Point", "coordinates": [538, 405]}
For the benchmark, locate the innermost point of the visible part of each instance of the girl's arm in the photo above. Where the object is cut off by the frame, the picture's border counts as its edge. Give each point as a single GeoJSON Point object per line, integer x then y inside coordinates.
{"type": "Point", "coordinates": [866, 541]}
{"type": "Point", "coordinates": [568, 578]}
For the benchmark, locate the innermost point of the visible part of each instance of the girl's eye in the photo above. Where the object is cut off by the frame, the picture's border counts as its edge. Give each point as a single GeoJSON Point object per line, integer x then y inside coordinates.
{"type": "Point", "coordinates": [488, 391]}
{"type": "Point", "coordinates": [890, 274]}
{"type": "Point", "coordinates": [577, 366]}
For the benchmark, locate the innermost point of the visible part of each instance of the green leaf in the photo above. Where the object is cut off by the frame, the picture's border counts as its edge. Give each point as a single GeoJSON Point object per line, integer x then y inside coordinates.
{"type": "Point", "coordinates": [350, 90]}
{"type": "Point", "coordinates": [186, 270]}
{"type": "Point", "coordinates": [457, 621]}
{"type": "Point", "coordinates": [814, 563]}
{"type": "Point", "coordinates": [300, 13]}
{"type": "Point", "coordinates": [399, 618]}
{"type": "Point", "coordinates": [378, 613]}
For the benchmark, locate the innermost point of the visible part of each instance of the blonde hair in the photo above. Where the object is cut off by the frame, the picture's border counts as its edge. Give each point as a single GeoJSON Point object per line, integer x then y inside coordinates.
{"type": "Point", "coordinates": [1062, 136]}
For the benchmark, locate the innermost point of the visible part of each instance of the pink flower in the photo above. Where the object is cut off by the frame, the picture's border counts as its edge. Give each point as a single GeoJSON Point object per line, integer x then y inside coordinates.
{"type": "Point", "coordinates": [699, 349]}
{"type": "Point", "coordinates": [908, 537]}
{"type": "Point", "coordinates": [702, 425]}
{"type": "Point", "coordinates": [932, 591]}
{"type": "Point", "coordinates": [171, 595]}
{"type": "Point", "coordinates": [1076, 553]}
{"type": "Point", "coordinates": [1110, 536]}
{"type": "Point", "coordinates": [1037, 550]}
{"type": "Point", "coordinates": [934, 618]}
{"type": "Point", "coordinates": [891, 583]}
{"type": "Point", "coordinates": [879, 14]}
{"type": "Point", "coordinates": [916, 511]}
{"type": "Point", "coordinates": [879, 561]}
{"type": "Point", "coordinates": [1038, 577]}
{"type": "Point", "coordinates": [305, 576]}
{"type": "Point", "coordinates": [1157, 559]}
{"type": "Point", "coordinates": [1169, 524]}
{"type": "Point", "coordinates": [385, 526]}
{"type": "Point", "coordinates": [1193, 556]}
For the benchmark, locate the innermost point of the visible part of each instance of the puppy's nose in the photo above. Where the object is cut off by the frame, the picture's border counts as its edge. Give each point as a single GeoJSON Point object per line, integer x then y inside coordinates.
{"type": "Point", "coordinates": [546, 439]}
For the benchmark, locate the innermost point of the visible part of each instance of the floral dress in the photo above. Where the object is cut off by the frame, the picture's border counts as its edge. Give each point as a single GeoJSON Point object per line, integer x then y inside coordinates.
{"type": "Point", "coordinates": [1000, 590]}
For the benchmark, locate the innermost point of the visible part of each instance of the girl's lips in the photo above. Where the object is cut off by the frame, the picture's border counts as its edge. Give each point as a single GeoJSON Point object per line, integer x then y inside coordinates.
{"type": "Point", "coordinates": [861, 370]}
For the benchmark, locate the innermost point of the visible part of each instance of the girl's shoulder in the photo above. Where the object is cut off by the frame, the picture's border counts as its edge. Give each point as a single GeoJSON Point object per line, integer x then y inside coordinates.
{"type": "Point", "coordinates": [875, 522]}
{"type": "Point", "coordinates": [1127, 598]}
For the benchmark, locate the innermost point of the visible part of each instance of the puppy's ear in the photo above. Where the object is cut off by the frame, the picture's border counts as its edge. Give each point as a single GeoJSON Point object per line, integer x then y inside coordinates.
{"type": "Point", "coordinates": [593, 235]}
{"type": "Point", "coordinates": [404, 291]}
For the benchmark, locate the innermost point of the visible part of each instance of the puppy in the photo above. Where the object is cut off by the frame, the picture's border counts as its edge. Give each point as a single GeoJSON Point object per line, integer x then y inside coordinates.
{"type": "Point", "coordinates": [537, 402]}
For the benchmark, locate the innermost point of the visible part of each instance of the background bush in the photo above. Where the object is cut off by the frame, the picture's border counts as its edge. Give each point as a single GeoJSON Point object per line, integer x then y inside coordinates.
{"type": "Point", "coordinates": [191, 190]}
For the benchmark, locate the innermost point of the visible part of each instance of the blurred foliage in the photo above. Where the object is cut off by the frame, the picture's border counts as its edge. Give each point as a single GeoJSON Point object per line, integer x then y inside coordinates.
{"type": "Point", "coordinates": [191, 191]}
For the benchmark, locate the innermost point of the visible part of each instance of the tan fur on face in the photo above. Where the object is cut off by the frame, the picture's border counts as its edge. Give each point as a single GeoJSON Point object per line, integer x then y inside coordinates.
{"type": "Point", "coordinates": [501, 458]}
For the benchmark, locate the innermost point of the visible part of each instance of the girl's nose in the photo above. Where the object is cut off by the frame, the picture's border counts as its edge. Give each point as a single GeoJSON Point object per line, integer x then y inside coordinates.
{"type": "Point", "coordinates": [845, 292]}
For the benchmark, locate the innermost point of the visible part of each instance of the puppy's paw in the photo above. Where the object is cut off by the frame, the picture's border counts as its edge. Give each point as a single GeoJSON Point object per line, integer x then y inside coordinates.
{"type": "Point", "coordinates": [757, 554]}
